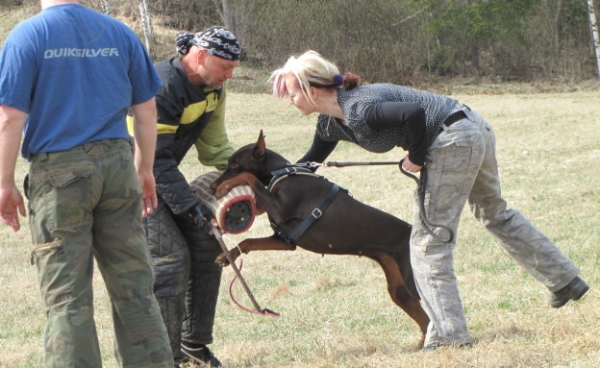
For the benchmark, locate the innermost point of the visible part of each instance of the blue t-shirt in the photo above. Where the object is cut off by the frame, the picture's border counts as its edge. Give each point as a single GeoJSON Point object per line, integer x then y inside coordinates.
{"type": "Point", "coordinates": [75, 72]}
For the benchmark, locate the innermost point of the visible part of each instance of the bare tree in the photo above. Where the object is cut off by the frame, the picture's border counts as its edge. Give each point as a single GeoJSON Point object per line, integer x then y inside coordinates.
{"type": "Point", "coordinates": [228, 15]}
{"type": "Point", "coordinates": [146, 23]}
{"type": "Point", "coordinates": [594, 30]}
{"type": "Point", "coordinates": [105, 7]}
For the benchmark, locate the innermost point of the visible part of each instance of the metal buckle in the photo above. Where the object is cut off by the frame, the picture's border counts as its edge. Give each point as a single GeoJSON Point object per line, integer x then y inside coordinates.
{"type": "Point", "coordinates": [316, 213]}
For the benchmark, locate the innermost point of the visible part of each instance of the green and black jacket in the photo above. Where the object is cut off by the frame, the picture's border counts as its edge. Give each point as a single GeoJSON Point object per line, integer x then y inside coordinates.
{"type": "Point", "coordinates": [187, 115]}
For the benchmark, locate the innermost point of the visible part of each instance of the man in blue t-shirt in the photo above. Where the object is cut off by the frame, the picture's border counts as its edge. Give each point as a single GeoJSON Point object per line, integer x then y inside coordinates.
{"type": "Point", "coordinates": [67, 79]}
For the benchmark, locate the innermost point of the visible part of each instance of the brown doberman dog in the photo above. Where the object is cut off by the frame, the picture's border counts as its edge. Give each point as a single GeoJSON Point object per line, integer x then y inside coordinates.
{"type": "Point", "coordinates": [295, 203]}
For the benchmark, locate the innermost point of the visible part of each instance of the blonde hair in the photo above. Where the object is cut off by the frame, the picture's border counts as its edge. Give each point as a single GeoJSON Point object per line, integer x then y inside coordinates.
{"type": "Point", "coordinates": [310, 70]}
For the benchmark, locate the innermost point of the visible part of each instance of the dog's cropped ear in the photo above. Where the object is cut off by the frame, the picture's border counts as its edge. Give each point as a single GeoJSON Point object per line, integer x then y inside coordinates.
{"type": "Point", "coordinates": [260, 148]}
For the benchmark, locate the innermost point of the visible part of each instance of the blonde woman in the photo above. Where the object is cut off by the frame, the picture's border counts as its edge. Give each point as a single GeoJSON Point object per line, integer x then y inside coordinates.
{"type": "Point", "coordinates": [457, 146]}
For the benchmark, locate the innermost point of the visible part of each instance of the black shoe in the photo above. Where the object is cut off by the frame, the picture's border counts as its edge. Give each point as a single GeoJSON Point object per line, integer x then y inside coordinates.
{"type": "Point", "coordinates": [200, 355]}
{"type": "Point", "coordinates": [573, 291]}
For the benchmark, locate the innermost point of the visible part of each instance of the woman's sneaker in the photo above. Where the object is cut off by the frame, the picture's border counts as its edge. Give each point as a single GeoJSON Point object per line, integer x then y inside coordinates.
{"type": "Point", "coordinates": [573, 291]}
{"type": "Point", "coordinates": [200, 355]}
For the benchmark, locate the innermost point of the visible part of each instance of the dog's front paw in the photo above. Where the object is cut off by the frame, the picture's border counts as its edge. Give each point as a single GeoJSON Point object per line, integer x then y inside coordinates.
{"type": "Point", "coordinates": [222, 260]}
{"type": "Point", "coordinates": [222, 190]}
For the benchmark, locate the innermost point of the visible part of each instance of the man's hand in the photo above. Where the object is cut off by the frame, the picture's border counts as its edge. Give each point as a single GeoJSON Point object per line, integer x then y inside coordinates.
{"type": "Point", "coordinates": [11, 201]}
{"type": "Point", "coordinates": [12, 122]}
{"type": "Point", "coordinates": [144, 132]}
{"type": "Point", "coordinates": [149, 199]}
{"type": "Point", "coordinates": [203, 217]}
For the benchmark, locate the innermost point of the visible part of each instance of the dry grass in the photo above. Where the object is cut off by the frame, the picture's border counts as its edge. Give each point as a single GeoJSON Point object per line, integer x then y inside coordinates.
{"type": "Point", "coordinates": [335, 311]}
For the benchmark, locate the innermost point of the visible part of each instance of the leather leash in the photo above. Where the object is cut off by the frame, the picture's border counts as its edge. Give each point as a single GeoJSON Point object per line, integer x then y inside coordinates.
{"type": "Point", "coordinates": [421, 183]}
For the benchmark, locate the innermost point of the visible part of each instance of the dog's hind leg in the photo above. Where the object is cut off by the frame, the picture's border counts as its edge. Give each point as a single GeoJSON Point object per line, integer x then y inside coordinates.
{"type": "Point", "coordinates": [400, 295]}
{"type": "Point", "coordinates": [252, 244]}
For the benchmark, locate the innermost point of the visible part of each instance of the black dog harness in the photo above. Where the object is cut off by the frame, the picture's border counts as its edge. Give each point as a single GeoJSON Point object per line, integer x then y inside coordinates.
{"type": "Point", "coordinates": [297, 232]}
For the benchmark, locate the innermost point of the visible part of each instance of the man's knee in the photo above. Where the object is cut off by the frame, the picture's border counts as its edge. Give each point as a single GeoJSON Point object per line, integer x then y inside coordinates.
{"type": "Point", "coordinates": [171, 276]}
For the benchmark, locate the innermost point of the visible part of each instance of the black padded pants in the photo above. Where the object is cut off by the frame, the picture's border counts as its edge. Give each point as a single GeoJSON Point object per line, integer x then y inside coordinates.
{"type": "Point", "coordinates": [187, 278]}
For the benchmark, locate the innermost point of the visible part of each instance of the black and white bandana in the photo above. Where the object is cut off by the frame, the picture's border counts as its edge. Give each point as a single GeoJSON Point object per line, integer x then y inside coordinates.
{"type": "Point", "coordinates": [216, 40]}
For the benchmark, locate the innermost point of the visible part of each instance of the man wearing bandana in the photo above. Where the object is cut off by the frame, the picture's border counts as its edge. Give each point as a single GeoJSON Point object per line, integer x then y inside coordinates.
{"type": "Point", "coordinates": [190, 112]}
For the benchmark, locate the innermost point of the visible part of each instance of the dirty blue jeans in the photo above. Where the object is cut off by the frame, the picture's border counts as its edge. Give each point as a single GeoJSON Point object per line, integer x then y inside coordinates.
{"type": "Point", "coordinates": [85, 204]}
{"type": "Point", "coordinates": [461, 167]}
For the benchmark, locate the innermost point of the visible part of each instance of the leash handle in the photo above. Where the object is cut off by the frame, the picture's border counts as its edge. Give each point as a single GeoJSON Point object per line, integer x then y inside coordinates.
{"type": "Point", "coordinates": [409, 174]}
{"type": "Point", "coordinates": [421, 184]}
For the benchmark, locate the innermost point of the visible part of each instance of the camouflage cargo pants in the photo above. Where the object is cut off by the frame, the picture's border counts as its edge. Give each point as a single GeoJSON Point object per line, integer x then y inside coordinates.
{"type": "Point", "coordinates": [85, 203]}
{"type": "Point", "coordinates": [461, 167]}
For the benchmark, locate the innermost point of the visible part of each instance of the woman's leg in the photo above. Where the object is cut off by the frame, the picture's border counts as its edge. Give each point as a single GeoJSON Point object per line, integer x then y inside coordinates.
{"type": "Point", "coordinates": [452, 165]}
{"type": "Point", "coordinates": [526, 244]}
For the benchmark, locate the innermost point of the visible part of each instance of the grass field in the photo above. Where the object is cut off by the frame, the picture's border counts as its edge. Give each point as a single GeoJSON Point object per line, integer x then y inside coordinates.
{"type": "Point", "coordinates": [335, 311]}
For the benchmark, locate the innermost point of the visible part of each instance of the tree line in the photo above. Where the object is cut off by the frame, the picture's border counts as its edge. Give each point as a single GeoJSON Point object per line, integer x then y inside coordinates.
{"type": "Point", "coordinates": [400, 41]}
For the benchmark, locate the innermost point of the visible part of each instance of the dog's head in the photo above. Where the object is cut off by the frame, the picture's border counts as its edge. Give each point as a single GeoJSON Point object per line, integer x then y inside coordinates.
{"type": "Point", "coordinates": [250, 158]}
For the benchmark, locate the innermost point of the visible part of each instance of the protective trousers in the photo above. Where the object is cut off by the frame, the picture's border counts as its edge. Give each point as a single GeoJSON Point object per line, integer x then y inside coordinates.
{"type": "Point", "coordinates": [85, 203]}
{"type": "Point", "coordinates": [187, 277]}
{"type": "Point", "coordinates": [461, 166]}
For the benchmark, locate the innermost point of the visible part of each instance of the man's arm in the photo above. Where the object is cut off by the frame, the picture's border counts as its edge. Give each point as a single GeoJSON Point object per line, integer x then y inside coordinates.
{"type": "Point", "coordinates": [144, 132]}
{"type": "Point", "coordinates": [12, 122]}
{"type": "Point", "coordinates": [213, 145]}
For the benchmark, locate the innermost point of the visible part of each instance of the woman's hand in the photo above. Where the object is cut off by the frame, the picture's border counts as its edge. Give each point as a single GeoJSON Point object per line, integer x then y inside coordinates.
{"type": "Point", "coordinates": [409, 166]}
